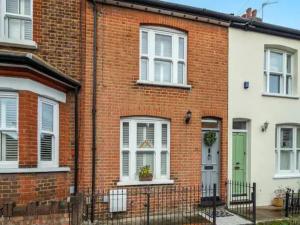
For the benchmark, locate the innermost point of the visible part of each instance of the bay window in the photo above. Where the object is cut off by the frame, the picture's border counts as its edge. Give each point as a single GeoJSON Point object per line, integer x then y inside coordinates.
{"type": "Point", "coordinates": [144, 142]}
{"type": "Point", "coordinates": [16, 20]}
{"type": "Point", "coordinates": [48, 133]}
{"type": "Point", "coordinates": [8, 130]}
{"type": "Point", "coordinates": [288, 149]}
{"type": "Point", "coordinates": [278, 72]}
{"type": "Point", "coordinates": [162, 56]}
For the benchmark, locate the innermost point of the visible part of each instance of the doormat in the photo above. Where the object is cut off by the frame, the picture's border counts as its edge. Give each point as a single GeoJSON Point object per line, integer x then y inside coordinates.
{"type": "Point", "coordinates": [220, 213]}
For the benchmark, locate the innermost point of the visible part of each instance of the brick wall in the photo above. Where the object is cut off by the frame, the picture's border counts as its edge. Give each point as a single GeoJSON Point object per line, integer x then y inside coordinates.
{"type": "Point", "coordinates": [118, 94]}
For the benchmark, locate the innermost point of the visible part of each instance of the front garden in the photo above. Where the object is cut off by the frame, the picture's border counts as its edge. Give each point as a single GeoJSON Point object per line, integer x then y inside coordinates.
{"type": "Point", "coordinates": [293, 221]}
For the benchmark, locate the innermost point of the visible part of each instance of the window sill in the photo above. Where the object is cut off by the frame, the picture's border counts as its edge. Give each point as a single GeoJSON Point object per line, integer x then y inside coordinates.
{"type": "Point", "coordinates": [140, 183]}
{"type": "Point", "coordinates": [19, 44]}
{"type": "Point", "coordinates": [35, 170]}
{"type": "Point", "coordinates": [150, 83]}
{"type": "Point", "coordinates": [279, 96]}
{"type": "Point", "coordinates": [286, 176]}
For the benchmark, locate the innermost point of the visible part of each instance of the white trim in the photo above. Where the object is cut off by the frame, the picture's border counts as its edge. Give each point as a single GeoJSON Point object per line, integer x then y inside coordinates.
{"type": "Point", "coordinates": [154, 182]}
{"type": "Point", "coordinates": [35, 170]}
{"type": "Point", "coordinates": [20, 44]}
{"type": "Point", "coordinates": [286, 176]}
{"type": "Point", "coordinates": [279, 95]}
{"type": "Point", "coordinates": [55, 151]}
{"type": "Point", "coordinates": [25, 84]}
{"type": "Point", "coordinates": [153, 83]}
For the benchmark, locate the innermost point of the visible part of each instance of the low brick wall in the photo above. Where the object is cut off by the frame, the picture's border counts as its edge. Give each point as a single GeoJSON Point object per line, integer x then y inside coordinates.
{"type": "Point", "coordinates": [54, 219]}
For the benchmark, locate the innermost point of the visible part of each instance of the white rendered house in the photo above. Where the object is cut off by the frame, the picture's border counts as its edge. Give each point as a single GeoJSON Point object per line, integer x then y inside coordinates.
{"type": "Point", "coordinates": [264, 111]}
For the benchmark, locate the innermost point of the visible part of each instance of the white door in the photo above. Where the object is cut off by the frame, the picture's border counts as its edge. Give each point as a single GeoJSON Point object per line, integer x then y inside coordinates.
{"type": "Point", "coordinates": [210, 164]}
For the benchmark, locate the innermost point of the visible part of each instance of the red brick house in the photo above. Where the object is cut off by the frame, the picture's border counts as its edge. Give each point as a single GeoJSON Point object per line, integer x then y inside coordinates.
{"type": "Point", "coordinates": [160, 84]}
{"type": "Point", "coordinates": [39, 69]}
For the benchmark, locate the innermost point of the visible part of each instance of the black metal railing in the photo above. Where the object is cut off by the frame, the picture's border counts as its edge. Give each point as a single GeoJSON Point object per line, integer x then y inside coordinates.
{"type": "Point", "coordinates": [292, 203]}
{"type": "Point", "coordinates": [168, 205]}
{"type": "Point", "coordinates": [241, 199]}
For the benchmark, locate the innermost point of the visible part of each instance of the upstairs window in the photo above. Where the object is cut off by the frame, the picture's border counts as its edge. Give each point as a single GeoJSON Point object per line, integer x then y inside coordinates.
{"type": "Point", "coordinates": [16, 20]}
{"type": "Point", "coordinates": [163, 56]}
{"type": "Point", "coordinates": [278, 72]}
{"type": "Point", "coordinates": [8, 130]}
{"type": "Point", "coordinates": [145, 142]}
{"type": "Point", "coordinates": [48, 133]}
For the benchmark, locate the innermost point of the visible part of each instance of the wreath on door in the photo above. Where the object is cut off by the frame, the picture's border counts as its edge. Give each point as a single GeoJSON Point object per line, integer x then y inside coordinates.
{"type": "Point", "coordinates": [210, 138]}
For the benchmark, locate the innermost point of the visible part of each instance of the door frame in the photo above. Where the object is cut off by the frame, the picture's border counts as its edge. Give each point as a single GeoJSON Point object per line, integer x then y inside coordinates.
{"type": "Point", "coordinates": [247, 158]}
{"type": "Point", "coordinates": [218, 130]}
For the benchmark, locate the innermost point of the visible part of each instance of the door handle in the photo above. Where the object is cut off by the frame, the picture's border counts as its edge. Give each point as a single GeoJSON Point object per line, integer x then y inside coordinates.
{"type": "Point", "coordinates": [236, 167]}
{"type": "Point", "coordinates": [237, 163]}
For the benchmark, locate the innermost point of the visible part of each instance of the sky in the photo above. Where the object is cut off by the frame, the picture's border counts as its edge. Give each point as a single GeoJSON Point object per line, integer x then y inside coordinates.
{"type": "Point", "coordinates": [284, 12]}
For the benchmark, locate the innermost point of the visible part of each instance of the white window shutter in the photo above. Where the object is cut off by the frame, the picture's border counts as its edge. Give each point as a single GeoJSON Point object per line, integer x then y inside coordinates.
{"type": "Point", "coordinates": [126, 135]}
{"type": "Point", "coordinates": [150, 133]}
{"type": "Point", "coordinates": [164, 135]}
{"type": "Point", "coordinates": [125, 164]}
{"type": "Point", "coordinates": [12, 6]}
{"type": "Point", "coordinates": [47, 117]}
{"type": "Point", "coordinates": [25, 7]}
{"type": "Point", "coordinates": [46, 147]}
{"type": "Point", "coordinates": [139, 162]}
{"type": "Point", "coordinates": [0, 113]}
{"type": "Point", "coordinates": [11, 113]}
{"type": "Point", "coordinates": [11, 145]}
{"type": "Point", "coordinates": [164, 162]}
{"type": "Point", "coordinates": [27, 30]}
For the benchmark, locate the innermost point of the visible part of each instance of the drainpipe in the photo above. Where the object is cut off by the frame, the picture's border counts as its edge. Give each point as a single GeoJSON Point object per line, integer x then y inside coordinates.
{"type": "Point", "coordinates": [76, 142]}
{"type": "Point", "coordinates": [94, 102]}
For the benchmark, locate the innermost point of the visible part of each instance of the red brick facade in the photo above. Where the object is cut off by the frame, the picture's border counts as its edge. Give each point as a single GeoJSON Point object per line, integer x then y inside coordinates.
{"type": "Point", "coordinates": [118, 94]}
{"type": "Point", "coordinates": [56, 31]}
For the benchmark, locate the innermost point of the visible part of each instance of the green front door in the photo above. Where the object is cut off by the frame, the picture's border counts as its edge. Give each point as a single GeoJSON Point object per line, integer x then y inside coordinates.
{"type": "Point", "coordinates": [239, 143]}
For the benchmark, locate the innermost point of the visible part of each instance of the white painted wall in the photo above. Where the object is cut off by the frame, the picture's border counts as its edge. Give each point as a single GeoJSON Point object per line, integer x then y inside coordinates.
{"type": "Point", "coordinates": [246, 63]}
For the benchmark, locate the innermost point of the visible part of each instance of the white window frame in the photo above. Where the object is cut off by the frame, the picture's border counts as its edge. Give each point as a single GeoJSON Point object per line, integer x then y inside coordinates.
{"type": "Point", "coordinates": [4, 26]}
{"type": "Point", "coordinates": [176, 35]}
{"type": "Point", "coordinates": [55, 133]}
{"type": "Point", "coordinates": [294, 149]}
{"type": "Point", "coordinates": [284, 73]}
{"type": "Point", "coordinates": [10, 164]}
{"type": "Point", "coordinates": [133, 149]}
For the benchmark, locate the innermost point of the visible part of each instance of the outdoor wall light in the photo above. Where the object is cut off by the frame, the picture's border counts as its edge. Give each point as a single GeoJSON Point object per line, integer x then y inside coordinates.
{"type": "Point", "coordinates": [246, 84]}
{"type": "Point", "coordinates": [264, 127]}
{"type": "Point", "coordinates": [188, 116]}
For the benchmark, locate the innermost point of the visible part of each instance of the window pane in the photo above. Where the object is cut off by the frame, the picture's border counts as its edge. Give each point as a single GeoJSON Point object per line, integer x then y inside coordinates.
{"type": "Point", "coordinates": [144, 69]}
{"type": "Point", "coordinates": [180, 73]}
{"type": "Point", "coordinates": [239, 125]}
{"type": "Point", "coordinates": [126, 135]}
{"type": "Point", "coordinates": [144, 42]}
{"type": "Point", "coordinates": [286, 137]}
{"type": "Point", "coordinates": [144, 159]}
{"type": "Point", "coordinates": [125, 163]}
{"type": "Point", "coordinates": [145, 135]}
{"type": "Point", "coordinates": [181, 48]}
{"type": "Point", "coordinates": [276, 62]}
{"type": "Point", "coordinates": [288, 85]}
{"type": "Point", "coordinates": [14, 28]}
{"type": "Point", "coordinates": [25, 7]}
{"type": "Point", "coordinates": [11, 112]}
{"type": "Point", "coordinates": [27, 30]}
{"type": "Point", "coordinates": [163, 71]}
{"type": "Point", "coordinates": [163, 45]}
{"type": "Point", "coordinates": [164, 135]}
{"type": "Point", "coordinates": [9, 146]}
{"type": "Point", "coordinates": [47, 117]}
{"type": "Point", "coordinates": [12, 6]}
{"type": "Point", "coordinates": [289, 64]}
{"type": "Point", "coordinates": [285, 160]}
{"type": "Point", "coordinates": [164, 162]}
{"type": "Point", "coordinates": [210, 123]}
{"type": "Point", "coordinates": [265, 60]}
{"type": "Point", "coordinates": [274, 85]}
{"type": "Point", "coordinates": [46, 147]}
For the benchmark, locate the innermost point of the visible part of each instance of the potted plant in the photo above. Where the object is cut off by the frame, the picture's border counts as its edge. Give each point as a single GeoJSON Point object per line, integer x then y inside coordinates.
{"type": "Point", "coordinates": [280, 193]}
{"type": "Point", "coordinates": [145, 174]}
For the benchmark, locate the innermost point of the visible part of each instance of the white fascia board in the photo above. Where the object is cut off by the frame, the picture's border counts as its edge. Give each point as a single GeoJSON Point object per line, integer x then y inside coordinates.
{"type": "Point", "coordinates": [25, 84]}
